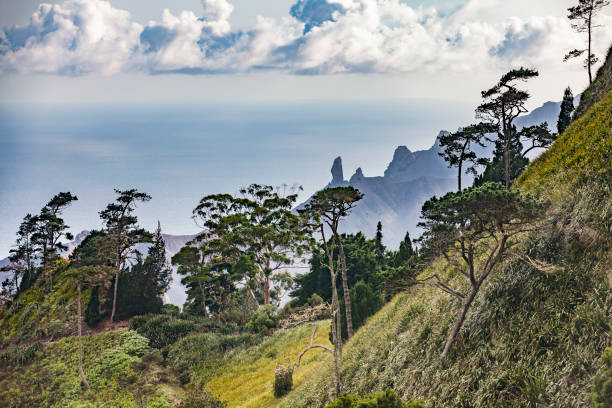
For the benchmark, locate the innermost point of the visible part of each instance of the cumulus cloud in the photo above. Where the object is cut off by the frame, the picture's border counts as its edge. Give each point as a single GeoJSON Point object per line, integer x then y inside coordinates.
{"type": "Point", "coordinates": [79, 37]}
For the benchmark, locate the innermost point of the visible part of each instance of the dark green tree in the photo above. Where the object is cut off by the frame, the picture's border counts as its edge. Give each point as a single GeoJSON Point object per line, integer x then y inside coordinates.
{"type": "Point", "coordinates": [496, 170]}
{"type": "Point", "coordinates": [123, 233]}
{"type": "Point", "coordinates": [472, 230]}
{"type": "Point", "coordinates": [23, 257]}
{"type": "Point", "coordinates": [379, 248]}
{"type": "Point", "coordinates": [51, 228]}
{"type": "Point", "coordinates": [145, 282]}
{"type": "Point", "coordinates": [582, 17]}
{"type": "Point", "coordinates": [405, 252]}
{"type": "Point", "coordinates": [365, 302]}
{"type": "Point", "coordinates": [567, 107]}
{"type": "Point", "coordinates": [502, 104]}
{"type": "Point", "coordinates": [458, 148]}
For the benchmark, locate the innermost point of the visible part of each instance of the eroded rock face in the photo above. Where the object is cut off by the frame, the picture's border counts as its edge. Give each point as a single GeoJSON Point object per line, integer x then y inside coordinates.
{"type": "Point", "coordinates": [337, 173]}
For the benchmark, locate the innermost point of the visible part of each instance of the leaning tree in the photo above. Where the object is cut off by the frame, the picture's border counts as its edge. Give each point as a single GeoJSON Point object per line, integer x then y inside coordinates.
{"type": "Point", "coordinates": [472, 230]}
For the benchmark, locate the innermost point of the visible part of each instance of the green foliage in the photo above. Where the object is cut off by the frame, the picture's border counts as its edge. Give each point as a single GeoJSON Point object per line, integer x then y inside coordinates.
{"type": "Point", "coordinates": [283, 381]}
{"type": "Point", "coordinates": [162, 329]}
{"type": "Point", "coordinates": [92, 313]}
{"type": "Point", "coordinates": [201, 399]}
{"type": "Point", "coordinates": [385, 399]}
{"type": "Point", "coordinates": [495, 168]}
{"type": "Point", "coordinates": [263, 320]}
{"type": "Point", "coordinates": [601, 396]}
{"type": "Point", "coordinates": [567, 107]}
{"type": "Point", "coordinates": [21, 355]}
{"type": "Point", "coordinates": [364, 303]}
{"type": "Point", "coordinates": [202, 352]}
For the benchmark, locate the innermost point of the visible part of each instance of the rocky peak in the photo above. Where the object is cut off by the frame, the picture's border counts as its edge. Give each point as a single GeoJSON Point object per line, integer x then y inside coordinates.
{"type": "Point", "coordinates": [402, 159]}
{"type": "Point", "coordinates": [357, 176]}
{"type": "Point", "coordinates": [337, 173]}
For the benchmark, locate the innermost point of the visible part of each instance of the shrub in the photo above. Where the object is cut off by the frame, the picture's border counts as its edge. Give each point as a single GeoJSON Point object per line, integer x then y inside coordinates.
{"type": "Point", "coordinates": [201, 399]}
{"type": "Point", "coordinates": [385, 399]}
{"type": "Point", "coordinates": [365, 301]}
{"type": "Point", "coordinates": [21, 355]}
{"type": "Point", "coordinates": [263, 319]}
{"type": "Point", "coordinates": [162, 330]}
{"type": "Point", "coordinates": [283, 381]}
{"type": "Point", "coordinates": [602, 387]}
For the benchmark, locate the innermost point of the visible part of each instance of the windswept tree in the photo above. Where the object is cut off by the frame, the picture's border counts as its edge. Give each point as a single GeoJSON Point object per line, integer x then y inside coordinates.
{"type": "Point", "coordinates": [121, 226]}
{"type": "Point", "coordinates": [458, 148]}
{"type": "Point", "coordinates": [567, 108]}
{"type": "Point", "coordinates": [502, 104]}
{"type": "Point", "coordinates": [582, 16]}
{"type": "Point", "coordinates": [23, 257]}
{"type": "Point", "coordinates": [472, 230]}
{"type": "Point", "coordinates": [535, 137]}
{"type": "Point", "coordinates": [51, 229]}
{"type": "Point", "coordinates": [332, 205]}
{"type": "Point", "coordinates": [256, 233]}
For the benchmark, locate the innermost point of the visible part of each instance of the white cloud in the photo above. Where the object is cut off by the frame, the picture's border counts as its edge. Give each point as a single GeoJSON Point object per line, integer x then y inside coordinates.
{"type": "Point", "coordinates": [80, 37]}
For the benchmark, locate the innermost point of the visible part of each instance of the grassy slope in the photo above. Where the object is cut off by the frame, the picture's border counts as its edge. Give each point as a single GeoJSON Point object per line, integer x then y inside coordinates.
{"type": "Point", "coordinates": [532, 338]}
{"type": "Point", "coordinates": [600, 86]}
{"type": "Point", "coordinates": [52, 380]}
{"type": "Point", "coordinates": [246, 379]}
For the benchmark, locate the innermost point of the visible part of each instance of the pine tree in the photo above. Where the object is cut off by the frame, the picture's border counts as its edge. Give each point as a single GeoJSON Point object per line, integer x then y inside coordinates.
{"type": "Point", "coordinates": [582, 16]}
{"type": "Point", "coordinates": [567, 107]}
{"type": "Point", "coordinates": [379, 248]}
{"type": "Point", "coordinates": [405, 251]}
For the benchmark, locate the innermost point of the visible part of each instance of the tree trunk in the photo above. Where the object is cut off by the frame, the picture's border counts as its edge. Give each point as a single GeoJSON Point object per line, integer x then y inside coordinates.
{"type": "Point", "coordinates": [507, 161]}
{"type": "Point", "coordinates": [266, 290]}
{"type": "Point", "coordinates": [80, 323]}
{"type": "Point", "coordinates": [345, 289]}
{"type": "Point", "coordinates": [459, 177]}
{"type": "Point", "coordinates": [589, 51]}
{"type": "Point", "coordinates": [112, 317]}
{"type": "Point", "coordinates": [336, 333]}
{"type": "Point", "coordinates": [467, 302]}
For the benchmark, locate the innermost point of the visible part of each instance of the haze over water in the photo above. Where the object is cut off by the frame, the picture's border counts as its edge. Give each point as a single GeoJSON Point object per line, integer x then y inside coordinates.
{"type": "Point", "coordinates": [179, 153]}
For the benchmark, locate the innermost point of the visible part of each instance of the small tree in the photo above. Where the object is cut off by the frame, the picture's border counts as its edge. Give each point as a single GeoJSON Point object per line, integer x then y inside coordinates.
{"type": "Point", "coordinates": [502, 104]}
{"type": "Point", "coordinates": [583, 16]}
{"type": "Point", "coordinates": [123, 232]}
{"type": "Point", "coordinates": [535, 137]}
{"type": "Point", "coordinates": [405, 252]}
{"type": "Point", "coordinates": [472, 231]}
{"type": "Point", "coordinates": [567, 107]}
{"type": "Point", "coordinates": [458, 148]}
{"type": "Point", "coordinates": [379, 248]}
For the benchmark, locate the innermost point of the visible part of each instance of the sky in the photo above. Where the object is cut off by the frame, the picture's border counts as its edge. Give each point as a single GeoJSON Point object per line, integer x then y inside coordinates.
{"type": "Point", "coordinates": [186, 97]}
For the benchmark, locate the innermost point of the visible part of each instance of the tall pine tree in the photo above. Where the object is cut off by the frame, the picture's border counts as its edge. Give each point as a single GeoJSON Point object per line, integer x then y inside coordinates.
{"type": "Point", "coordinates": [567, 107]}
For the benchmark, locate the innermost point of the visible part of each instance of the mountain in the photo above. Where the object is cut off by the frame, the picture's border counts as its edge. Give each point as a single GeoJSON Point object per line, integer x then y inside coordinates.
{"type": "Point", "coordinates": [411, 178]}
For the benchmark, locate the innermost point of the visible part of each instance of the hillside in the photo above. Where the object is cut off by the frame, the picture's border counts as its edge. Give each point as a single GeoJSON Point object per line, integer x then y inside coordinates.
{"type": "Point", "coordinates": [537, 330]}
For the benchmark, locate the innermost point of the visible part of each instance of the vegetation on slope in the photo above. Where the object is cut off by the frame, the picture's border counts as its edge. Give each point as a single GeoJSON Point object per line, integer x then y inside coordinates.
{"type": "Point", "coordinates": [600, 86]}
{"type": "Point", "coordinates": [48, 376]}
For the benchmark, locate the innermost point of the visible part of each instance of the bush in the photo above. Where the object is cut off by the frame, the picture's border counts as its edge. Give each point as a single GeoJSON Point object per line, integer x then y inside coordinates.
{"type": "Point", "coordinates": [385, 399]}
{"type": "Point", "coordinates": [201, 399]}
{"type": "Point", "coordinates": [263, 319]}
{"type": "Point", "coordinates": [365, 301]}
{"type": "Point", "coordinates": [162, 330]}
{"type": "Point", "coordinates": [602, 387]}
{"type": "Point", "coordinates": [21, 355]}
{"type": "Point", "coordinates": [283, 381]}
